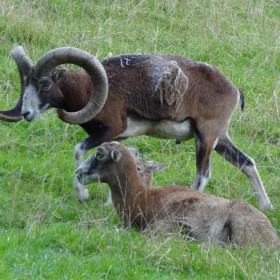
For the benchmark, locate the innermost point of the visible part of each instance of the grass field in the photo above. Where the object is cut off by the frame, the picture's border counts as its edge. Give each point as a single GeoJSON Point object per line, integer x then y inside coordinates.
{"type": "Point", "coordinates": [44, 232]}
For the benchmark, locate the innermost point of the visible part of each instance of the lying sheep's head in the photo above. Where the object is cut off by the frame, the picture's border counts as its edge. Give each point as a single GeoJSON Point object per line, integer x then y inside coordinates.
{"type": "Point", "coordinates": [101, 166]}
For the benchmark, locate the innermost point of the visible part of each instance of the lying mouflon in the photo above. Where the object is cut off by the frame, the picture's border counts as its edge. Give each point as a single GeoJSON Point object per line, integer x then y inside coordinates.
{"type": "Point", "coordinates": [174, 209]}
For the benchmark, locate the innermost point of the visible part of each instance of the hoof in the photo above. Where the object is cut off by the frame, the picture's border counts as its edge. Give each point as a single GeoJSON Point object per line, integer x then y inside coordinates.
{"type": "Point", "coordinates": [82, 195]}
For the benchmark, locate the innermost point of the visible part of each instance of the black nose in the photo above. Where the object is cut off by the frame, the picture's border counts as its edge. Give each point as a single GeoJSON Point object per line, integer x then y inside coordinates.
{"type": "Point", "coordinates": [79, 173]}
{"type": "Point", "coordinates": [25, 114]}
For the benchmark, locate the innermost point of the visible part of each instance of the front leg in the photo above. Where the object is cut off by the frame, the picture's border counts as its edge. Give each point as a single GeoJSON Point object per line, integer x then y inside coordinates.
{"type": "Point", "coordinates": [81, 191]}
{"type": "Point", "coordinates": [98, 135]}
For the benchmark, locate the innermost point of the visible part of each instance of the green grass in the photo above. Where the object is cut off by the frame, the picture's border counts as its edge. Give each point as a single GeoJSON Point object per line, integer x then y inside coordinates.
{"type": "Point", "coordinates": [44, 232]}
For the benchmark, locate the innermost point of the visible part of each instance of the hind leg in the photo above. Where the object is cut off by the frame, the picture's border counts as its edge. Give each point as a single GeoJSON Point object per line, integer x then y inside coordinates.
{"type": "Point", "coordinates": [203, 168]}
{"type": "Point", "coordinates": [204, 145]}
{"type": "Point", "coordinates": [249, 226]}
{"type": "Point", "coordinates": [231, 153]}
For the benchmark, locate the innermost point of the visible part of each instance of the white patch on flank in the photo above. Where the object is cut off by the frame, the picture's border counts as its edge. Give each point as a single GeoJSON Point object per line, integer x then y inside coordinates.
{"type": "Point", "coordinates": [125, 62]}
{"type": "Point", "coordinates": [164, 129]}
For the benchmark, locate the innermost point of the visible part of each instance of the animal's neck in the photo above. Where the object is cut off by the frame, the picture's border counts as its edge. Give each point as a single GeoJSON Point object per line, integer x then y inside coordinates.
{"type": "Point", "coordinates": [128, 186]}
{"type": "Point", "coordinates": [76, 88]}
{"type": "Point", "coordinates": [130, 198]}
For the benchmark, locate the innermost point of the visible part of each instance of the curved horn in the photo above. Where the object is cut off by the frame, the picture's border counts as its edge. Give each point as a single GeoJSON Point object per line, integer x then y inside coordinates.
{"type": "Point", "coordinates": [24, 65]}
{"type": "Point", "coordinates": [22, 60]}
{"type": "Point", "coordinates": [92, 66]}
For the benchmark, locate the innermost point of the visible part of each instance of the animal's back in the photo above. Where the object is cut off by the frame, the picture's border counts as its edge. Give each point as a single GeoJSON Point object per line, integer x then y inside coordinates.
{"type": "Point", "coordinates": [165, 82]}
{"type": "Point", "coordinates": [209, 218]}
{"type": "Point", "coordinates": [196, 214]}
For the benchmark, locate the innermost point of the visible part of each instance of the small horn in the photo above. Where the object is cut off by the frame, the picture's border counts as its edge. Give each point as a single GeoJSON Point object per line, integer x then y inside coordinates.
{"type": "Point", "coordinates": [24, 65]}
{"type": "Point", "coordinates": [92, 66]}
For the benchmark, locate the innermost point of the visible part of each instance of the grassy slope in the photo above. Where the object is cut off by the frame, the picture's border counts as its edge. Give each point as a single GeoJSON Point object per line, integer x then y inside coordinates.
{"type": "Point", "coordinates": [45, 233]}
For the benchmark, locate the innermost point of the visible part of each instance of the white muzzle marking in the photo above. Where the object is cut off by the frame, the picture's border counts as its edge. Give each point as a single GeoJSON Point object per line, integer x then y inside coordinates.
{"type": "Point", "coordinates": [31, 104]}
{"type": "Point", "coordinates": [83, 175]}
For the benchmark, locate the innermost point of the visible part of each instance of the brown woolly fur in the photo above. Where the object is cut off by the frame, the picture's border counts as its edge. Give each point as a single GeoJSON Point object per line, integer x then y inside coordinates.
{"type": "Point", "coordinates": [174, 209]}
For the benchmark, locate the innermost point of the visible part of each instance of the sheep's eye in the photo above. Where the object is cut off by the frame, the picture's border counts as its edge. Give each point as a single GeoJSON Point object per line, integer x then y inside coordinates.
{"type": "Point", "coordinates": [44, 84]}
{"type": "Point", "coordinates": [99, 155]}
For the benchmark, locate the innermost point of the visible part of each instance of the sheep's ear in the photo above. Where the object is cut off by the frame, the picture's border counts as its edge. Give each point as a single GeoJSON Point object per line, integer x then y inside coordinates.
{"type": "Point", "coordinates": [58, 74]}
{"type": "Point", "coordinates": [116, 155]}
{"type": "Point", "coordinates": [133, 151]}
{"type": "Point", "coordinates": [156, 168]}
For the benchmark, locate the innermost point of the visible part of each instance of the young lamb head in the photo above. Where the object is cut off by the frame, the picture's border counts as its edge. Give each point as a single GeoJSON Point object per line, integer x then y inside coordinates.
{"type": "Point", "coordinates": [101, 165]}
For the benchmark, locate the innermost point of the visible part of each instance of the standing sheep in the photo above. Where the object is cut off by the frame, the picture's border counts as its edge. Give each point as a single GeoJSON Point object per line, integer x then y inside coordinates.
{"type": "Point", "coordinates": [164, 96]}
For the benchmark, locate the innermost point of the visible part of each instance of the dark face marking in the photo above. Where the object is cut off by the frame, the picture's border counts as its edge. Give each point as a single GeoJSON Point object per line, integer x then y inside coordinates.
{"type": "Point", "coordinates": [94, 163]}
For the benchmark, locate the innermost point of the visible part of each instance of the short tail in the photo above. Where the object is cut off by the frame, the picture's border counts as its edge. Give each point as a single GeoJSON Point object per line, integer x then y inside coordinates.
{"type": "Point", "coordinates": [242, 99]}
